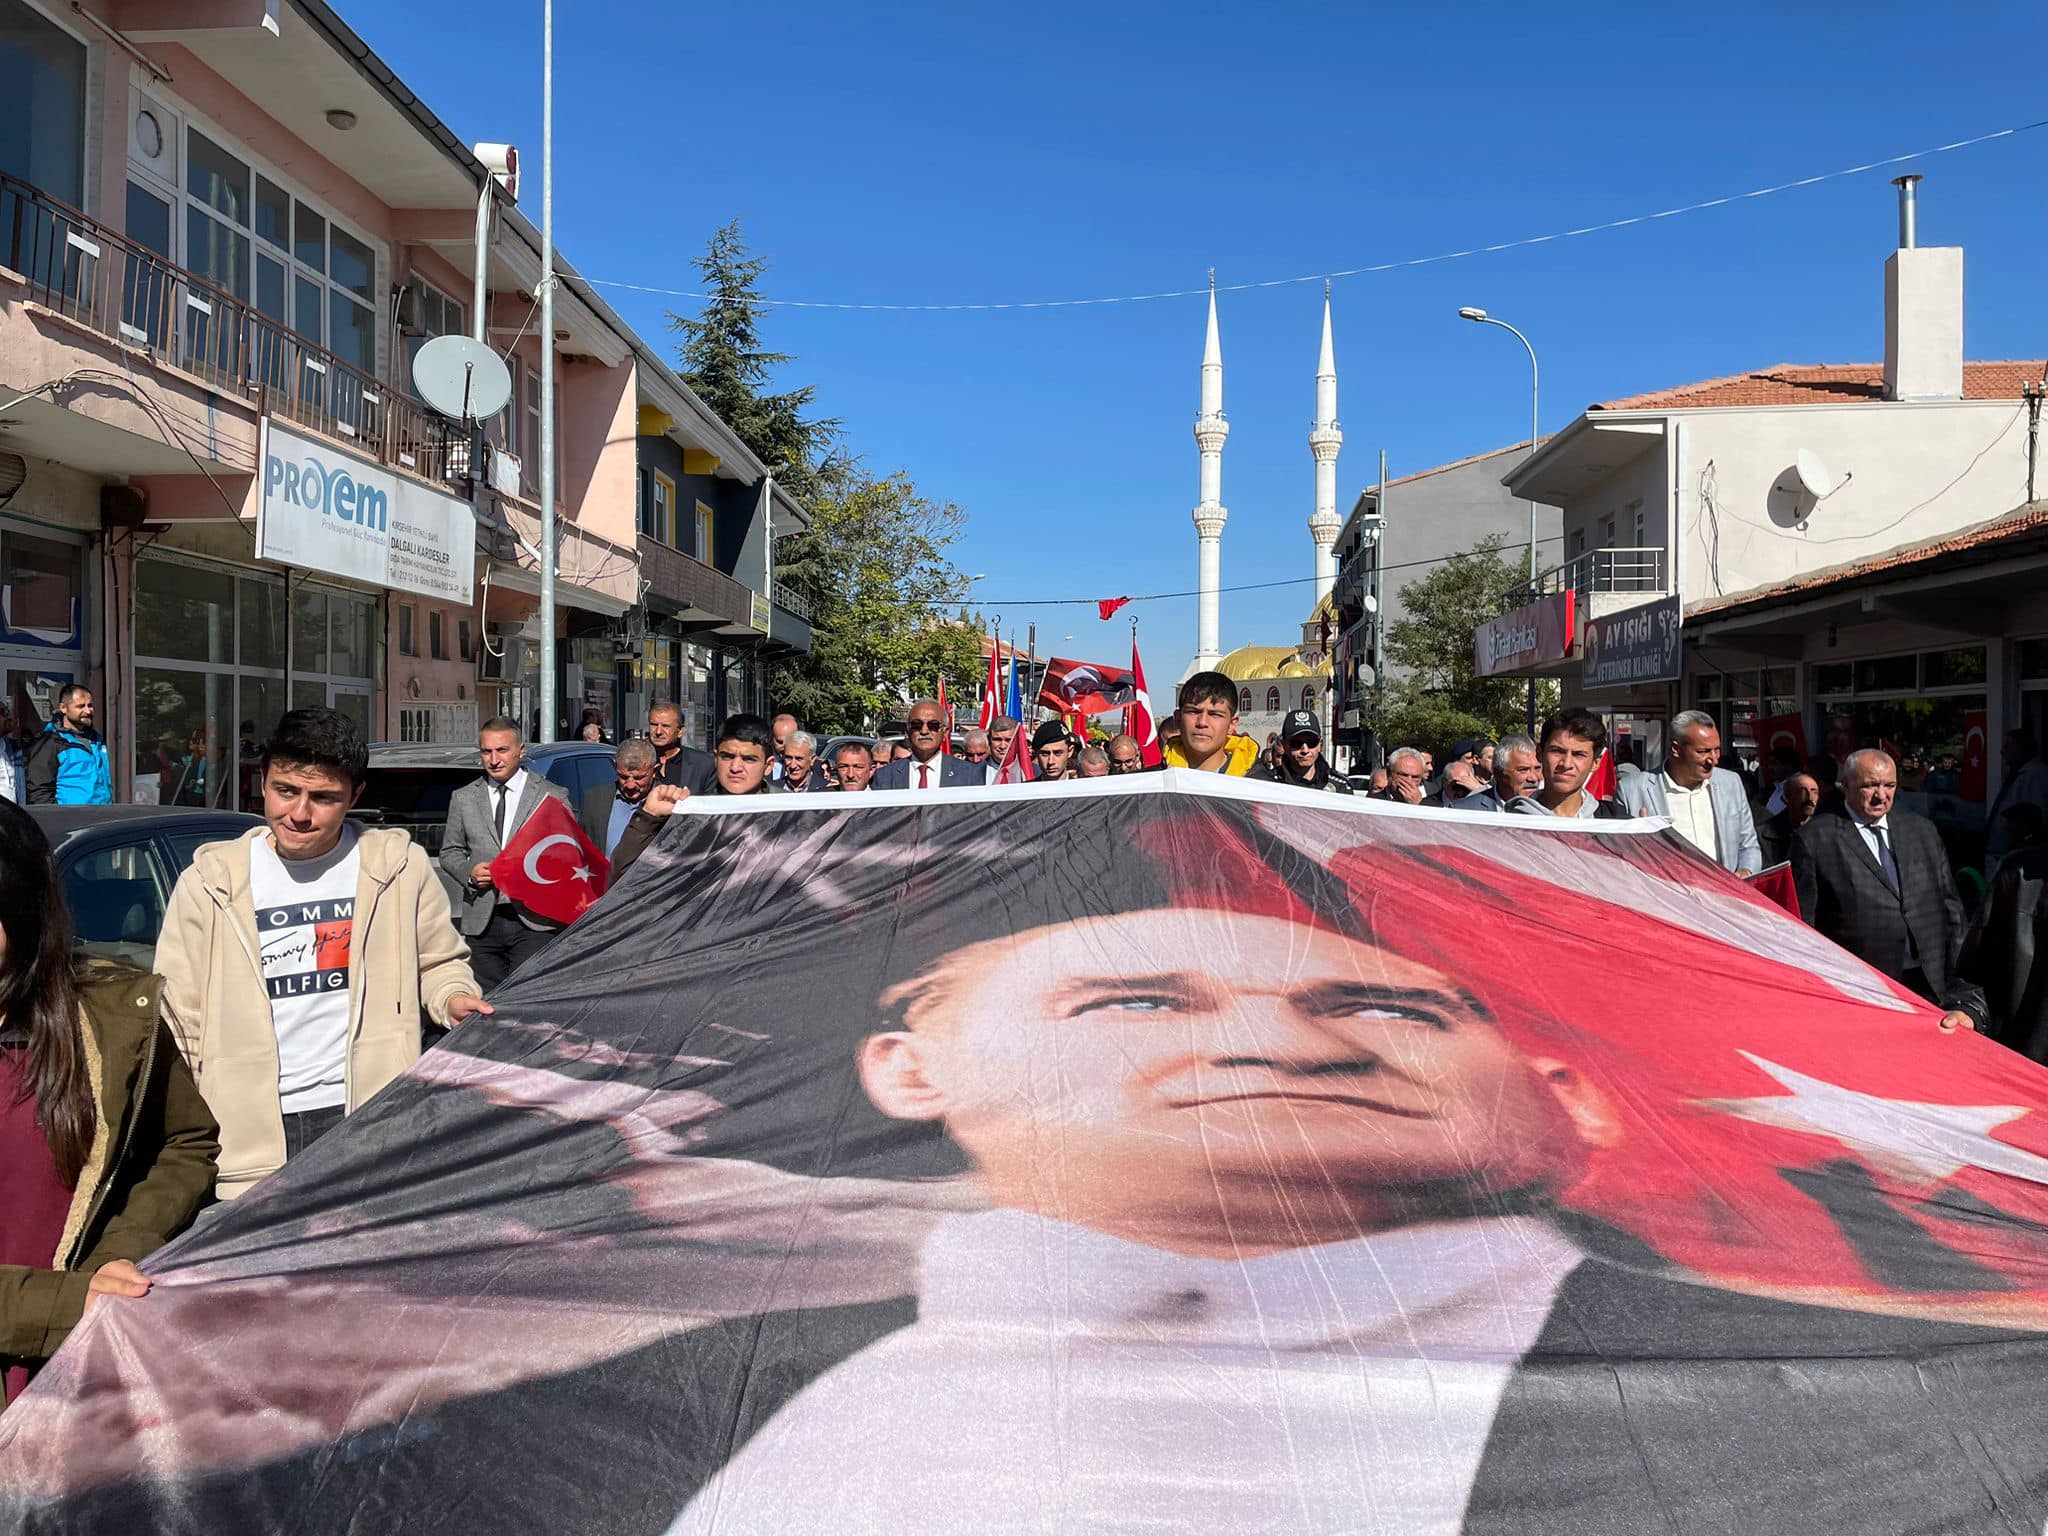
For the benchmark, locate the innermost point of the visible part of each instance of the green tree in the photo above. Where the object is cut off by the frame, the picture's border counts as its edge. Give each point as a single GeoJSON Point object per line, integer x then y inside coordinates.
{"type": "Point", "coordinates": [727, 367]}
{"type": "Point", "coordinates": [1435, 695]}
{"type": "Point", "coordinates": [886, 602]}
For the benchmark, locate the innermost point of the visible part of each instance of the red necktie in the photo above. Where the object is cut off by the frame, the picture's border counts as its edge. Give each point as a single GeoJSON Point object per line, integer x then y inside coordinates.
{"type": "Point", "coordinates": [924, 775]}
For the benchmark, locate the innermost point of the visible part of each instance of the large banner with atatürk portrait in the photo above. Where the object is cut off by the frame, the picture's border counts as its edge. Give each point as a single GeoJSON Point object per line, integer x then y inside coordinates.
{"type": "Point", "coordinates": [1154, 1155]}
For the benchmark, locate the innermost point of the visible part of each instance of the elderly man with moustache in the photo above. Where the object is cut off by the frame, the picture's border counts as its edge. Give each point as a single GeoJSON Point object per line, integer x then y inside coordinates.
{"type": "Point", "coordinates": [1798, 795]}
{"type": "Point", "coordinates": [607, 808]}
{"type": "Point", "coordinates": [1517, 775]}
{"type": "Point", "coordinates": [798, 759]}
{"type": "Point", "coordinates": [928, 765]}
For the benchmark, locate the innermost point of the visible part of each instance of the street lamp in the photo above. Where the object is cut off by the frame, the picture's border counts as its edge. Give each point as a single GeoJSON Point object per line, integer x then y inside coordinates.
{"type": "Point", "coordinates": [1481, 317]}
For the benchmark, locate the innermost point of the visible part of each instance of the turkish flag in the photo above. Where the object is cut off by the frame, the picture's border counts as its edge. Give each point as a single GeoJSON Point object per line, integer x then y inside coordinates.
{"type": "Point", "coordinates": [550, 868]}
{"type": "Point", "coordinates": [1138, 721]}
{"type": "Point", "coordinates": [1976, 754]}
{"type": "Point", "coordinates": [1776, 883]}
{"type": "Point", "coordinates": [1773, 732]}
{"type": "Point", "coordinates": [1015, 767]}
{"type": "Point", "coordinates": [1085, 687]}
{"type": "Point", "coordinates": [1106, 606]}
{"type": "Point", "coordinates": [1604, 783]}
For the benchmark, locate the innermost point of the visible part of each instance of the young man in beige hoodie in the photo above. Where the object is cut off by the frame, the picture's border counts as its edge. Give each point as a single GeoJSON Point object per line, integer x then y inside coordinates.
{"type": "Point", "coordinates": [301, 962]}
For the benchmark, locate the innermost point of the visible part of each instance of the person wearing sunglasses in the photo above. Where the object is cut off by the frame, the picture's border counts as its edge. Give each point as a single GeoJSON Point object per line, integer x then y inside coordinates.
{"type": "Point", "coordinates": [929, 766]}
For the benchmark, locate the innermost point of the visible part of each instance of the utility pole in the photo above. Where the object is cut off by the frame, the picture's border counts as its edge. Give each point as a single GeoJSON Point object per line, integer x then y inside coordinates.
{"type": "Point", "coordinates": [548, 702]}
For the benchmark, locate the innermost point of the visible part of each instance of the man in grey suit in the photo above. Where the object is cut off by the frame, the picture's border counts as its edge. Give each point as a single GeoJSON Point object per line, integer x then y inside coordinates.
{"type": "Point", "coordinates": [1707, 804]}
{"type": "Point", "coordinates": [482, 816]}
{"type": "Point", "coordinates": [928, 766]}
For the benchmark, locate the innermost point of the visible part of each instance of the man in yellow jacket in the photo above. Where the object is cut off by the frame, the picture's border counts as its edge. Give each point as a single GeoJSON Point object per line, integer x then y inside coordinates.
{"type": "Point", "coordinates": [1208, 742]}
{"type": "Point", "coordinates": [301, 962]}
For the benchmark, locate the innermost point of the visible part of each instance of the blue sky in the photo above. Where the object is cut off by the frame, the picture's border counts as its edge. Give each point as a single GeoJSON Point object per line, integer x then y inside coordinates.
{"type": "Point", "coordinates": [970, 152]}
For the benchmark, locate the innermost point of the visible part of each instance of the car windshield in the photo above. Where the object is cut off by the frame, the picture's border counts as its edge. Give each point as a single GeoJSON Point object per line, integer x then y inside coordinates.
{"type": "Point", "coordinates": [413, 798]}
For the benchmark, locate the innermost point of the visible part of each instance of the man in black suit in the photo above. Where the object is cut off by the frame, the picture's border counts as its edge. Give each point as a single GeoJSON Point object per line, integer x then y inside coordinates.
{"type": "Point", "coordinates": [929, 765]}
{"type": "Point", "coordinates": [1876, 880]}
{"type": "Point", "coordinates": [684, 767]}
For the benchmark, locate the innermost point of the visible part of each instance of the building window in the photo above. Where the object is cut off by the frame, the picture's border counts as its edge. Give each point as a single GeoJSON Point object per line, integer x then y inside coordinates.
{"type": "Point", "coordinates": [1244, 701]}
{"type": "Point", "coordinates": [1607, 531]}
{"type": "Point", "coordinates": [1637, 525]}
{"type": "Point", "coordinates": [704, 530]}
{"type": "Point", "coordinates": [529, 440]}
{"type": "Point", "coordinates": [465, 641]}
{"type": "Point", "coordinates": [437, 636]}
{"type": "Point", "coordinates": [1273, 700]}
{"type": "Point", "coordinates": [1308, 698]}
{"type": "Point", "coordinates": [657, 507]}
{"type": "Point", "coordinates": [1922, 707]}
{"type": "Point", "coordinates": [42, 104]}
{"type": "Point", "coordinates": [434, 314]}
{"type": "Point", "coordinates": [1575, 546]}
{"type": "Point", "coordinates": [407, 645]}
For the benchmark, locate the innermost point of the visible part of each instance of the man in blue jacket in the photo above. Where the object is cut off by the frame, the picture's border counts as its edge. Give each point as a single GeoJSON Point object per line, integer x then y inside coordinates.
{"type": "Point", "coordinates": [68, 765]}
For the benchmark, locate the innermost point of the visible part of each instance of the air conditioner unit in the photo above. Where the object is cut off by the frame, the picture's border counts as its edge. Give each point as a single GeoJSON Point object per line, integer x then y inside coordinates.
{"type": "Point", "coordinates": [506, 470]}
{"type": "Point", "coordinates": [408, 309]}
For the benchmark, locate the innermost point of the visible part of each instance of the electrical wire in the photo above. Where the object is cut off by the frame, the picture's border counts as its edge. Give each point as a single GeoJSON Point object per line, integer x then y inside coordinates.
{"type": "Point", "coordinates": [1376, 267]}
{"type": "Point", "coordinates": [1250, 586]}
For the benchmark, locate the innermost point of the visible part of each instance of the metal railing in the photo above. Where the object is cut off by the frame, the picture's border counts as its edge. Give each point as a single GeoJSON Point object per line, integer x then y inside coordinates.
{"type": "Point", "coordinates": [123, 291]}
{"type": "Point", "coordinates": [1639, 569]}
{"type": "Point", "coordinates": [786, 598]}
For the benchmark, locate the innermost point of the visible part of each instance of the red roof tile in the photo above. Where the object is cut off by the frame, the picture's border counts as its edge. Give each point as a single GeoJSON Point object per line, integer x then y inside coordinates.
{"type": "Point", "coordinates": [1823, 384]}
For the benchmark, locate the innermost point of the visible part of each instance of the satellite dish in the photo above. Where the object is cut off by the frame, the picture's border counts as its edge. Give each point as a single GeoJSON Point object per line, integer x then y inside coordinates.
{"type": "Point", "coordinates": [461, 377]}
{"type": "Point", "coordinates": [1814, 476]}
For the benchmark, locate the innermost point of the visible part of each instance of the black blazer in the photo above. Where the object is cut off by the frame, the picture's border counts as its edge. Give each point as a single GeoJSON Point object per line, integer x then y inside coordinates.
{"type": "Point", "coordinates": [1775, 833]}
{"type": "Point", "coordinates": [689, 769]}
{"type": "Point", "coordinates": [1844, 894]}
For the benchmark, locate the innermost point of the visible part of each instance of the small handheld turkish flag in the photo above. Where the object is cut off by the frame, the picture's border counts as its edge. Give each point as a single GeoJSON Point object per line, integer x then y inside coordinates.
{"type": "Point", "coordinates": [1106, 606]}
{"type": "Point", "coordinates": [550, 867]}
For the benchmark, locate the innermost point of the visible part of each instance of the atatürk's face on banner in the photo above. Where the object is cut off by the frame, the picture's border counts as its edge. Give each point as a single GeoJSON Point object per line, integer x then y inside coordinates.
{"type": "Point", "coordinates": [1214, 1079]}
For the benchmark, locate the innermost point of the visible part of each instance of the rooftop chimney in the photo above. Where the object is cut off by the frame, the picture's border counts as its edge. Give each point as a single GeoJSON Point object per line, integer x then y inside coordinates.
{"type": "Point", "coordinates": [1923, 311]}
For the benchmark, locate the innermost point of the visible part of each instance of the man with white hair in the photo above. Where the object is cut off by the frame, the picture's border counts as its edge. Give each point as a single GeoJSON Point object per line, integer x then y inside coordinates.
{"type": "Point", "coordinates": [1707, 804]}
{"type": "Point", "coordinates": [1876, 880]}
{"type": "Point", "coordinates": [1407, 770]}
{"type": "Point", "coordinates": [1517, 775]}
{"type": "Point", "coordinates": [798, 757]}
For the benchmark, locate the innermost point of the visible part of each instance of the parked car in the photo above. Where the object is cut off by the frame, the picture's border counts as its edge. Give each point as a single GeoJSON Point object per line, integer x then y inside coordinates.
{"type": "Point", "coordinates": [409, 784]}
{"type": "Point", "coordinates": [119, 862]}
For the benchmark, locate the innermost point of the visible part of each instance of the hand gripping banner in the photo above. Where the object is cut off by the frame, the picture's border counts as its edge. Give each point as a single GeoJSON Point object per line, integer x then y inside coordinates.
{"type": "Point", "coordinates": [1160, 1155]}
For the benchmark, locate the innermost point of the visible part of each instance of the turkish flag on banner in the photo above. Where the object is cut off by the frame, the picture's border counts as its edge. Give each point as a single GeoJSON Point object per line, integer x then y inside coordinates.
{"type": "Point", "coordinates": [550, 867]}
{"type": "Point", "coordinates": [1976, 754]}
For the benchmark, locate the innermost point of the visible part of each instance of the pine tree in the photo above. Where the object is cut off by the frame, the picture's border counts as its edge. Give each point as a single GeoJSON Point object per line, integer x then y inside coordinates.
{"type": "Point", "coordinates": [727, 367]}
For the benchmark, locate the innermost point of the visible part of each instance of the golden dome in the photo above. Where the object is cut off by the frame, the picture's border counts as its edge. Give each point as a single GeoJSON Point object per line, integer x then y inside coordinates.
{"type": "Point", "coordinates": [1295, 667]}
{"type": "Point", "coordinates": [1250, 661]}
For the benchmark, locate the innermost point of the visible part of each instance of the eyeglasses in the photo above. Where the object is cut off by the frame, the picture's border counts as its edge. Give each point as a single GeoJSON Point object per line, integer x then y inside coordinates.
{"type": "Point", "coordinates": [922, 726]}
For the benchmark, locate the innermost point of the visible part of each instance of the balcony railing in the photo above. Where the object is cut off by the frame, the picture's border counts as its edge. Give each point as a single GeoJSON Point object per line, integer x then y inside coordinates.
{"type": "Point", "coordinates": [1598, 570]}
{"type": "Point", "coordinates": [786, 598]}
{"type": "Point", "coordinates": [128, 293]}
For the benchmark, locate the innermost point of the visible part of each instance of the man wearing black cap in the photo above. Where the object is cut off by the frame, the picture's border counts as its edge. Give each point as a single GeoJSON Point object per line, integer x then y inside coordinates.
{"type": "Point", "coordinates": [1052, 751]}
{"type": "Point", "coordinates": [1301, 756]}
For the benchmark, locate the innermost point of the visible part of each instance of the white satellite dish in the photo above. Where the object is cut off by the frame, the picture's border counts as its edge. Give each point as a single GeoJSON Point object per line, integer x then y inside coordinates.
{"type": "Point", "coordinates": [1814, 475]}
{"type": "Point", "coordinates": [462, 378]}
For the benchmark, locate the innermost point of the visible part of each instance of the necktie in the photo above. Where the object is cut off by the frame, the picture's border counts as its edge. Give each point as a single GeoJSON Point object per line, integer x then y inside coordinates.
{"type": "Point", "coordinates": [924, 776]}
{"type": "Point", "coordinates": [501, 815]}
{"type": "Point", "coordinates": [1885, 861]}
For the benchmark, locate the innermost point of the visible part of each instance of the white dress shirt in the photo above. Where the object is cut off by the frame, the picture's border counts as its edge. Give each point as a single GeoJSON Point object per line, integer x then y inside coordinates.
{"type": "Point", "coordinates": [1692, 814]}
{"type": "Point", "coordinates": [514, 788]}
{"type": "Point", "coordinates": [937, 763]}
{"type": "Point", "coordinates": [1060, 1380]}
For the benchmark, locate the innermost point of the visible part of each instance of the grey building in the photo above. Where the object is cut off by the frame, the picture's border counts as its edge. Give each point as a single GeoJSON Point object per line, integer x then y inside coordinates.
{"type": "Point", "coordinates": [1395, 535]}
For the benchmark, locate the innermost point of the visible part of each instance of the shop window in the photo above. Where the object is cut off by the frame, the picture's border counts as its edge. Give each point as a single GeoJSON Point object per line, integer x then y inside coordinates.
{"type": "Point", "coordinates": [1888, 674]}
{"type": "Point", "coordinates": [40, 581]}
{"type": "Point", "coordinates": [1959, 668]}
{"type": "Point", "coordinates": [408, 645]}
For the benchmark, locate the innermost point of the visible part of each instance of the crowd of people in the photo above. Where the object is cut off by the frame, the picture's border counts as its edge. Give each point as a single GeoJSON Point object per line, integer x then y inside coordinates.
{"type": "Point", "coordinates": [304, 965]}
